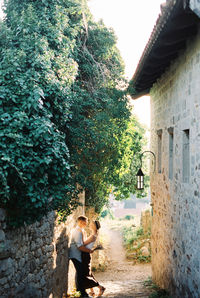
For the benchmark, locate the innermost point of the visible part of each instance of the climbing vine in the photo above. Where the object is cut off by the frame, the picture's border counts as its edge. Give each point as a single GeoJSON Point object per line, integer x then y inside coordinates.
{"type": "Point", "coordinates": [64, 117]}
{"type": "Point", "coordinates": [37, 71]}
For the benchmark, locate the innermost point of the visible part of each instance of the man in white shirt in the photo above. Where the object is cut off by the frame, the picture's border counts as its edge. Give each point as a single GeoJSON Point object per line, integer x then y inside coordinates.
{"type": "Point", "coordinates": [76, 247]}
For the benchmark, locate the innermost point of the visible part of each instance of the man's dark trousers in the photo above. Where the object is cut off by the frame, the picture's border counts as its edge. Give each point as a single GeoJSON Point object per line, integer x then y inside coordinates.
{"type": "Point", "coordinates": [80, 277]}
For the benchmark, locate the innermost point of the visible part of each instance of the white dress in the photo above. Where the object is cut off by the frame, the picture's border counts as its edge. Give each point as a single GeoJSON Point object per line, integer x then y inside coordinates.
{"type": "Point", "coordinates": [91, 244]}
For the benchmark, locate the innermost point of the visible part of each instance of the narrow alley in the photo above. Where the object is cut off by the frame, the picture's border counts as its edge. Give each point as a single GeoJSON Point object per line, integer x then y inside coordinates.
{"type": "Point", "coordinates": [122, 278]}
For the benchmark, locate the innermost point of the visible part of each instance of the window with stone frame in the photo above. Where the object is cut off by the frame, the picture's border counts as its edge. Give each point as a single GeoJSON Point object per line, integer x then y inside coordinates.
{"type": "Point", "coordinates": [171, 152]}
{"type": "Point", "coordinates": [186, 156]}
{"type": "Point", "coordinates": [159, 133]}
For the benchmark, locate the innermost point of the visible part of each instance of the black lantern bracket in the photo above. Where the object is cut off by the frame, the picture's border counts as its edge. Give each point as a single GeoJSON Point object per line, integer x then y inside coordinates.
{"type": "Point", "coordinates": [141, 156]}
{"type": "Point", "coordinates": [140, 175]}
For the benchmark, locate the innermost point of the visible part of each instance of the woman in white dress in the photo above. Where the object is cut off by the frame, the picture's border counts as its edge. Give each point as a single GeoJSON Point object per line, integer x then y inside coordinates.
{"type": "Point", "coordinates": [90, 281]}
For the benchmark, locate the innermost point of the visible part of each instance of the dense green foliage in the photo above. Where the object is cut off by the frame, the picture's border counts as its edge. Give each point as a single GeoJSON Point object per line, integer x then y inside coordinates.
{"type": "Point", "coordinates": [64, 120]}
{"type": "Point", "coordinates": [37, 71]}
{"type": "Point", "coordinates": [108, 138]}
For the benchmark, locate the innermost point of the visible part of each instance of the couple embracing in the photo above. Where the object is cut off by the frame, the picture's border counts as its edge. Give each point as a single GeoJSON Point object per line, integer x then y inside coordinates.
{"type": "Point", "coordinates": [80, 250]}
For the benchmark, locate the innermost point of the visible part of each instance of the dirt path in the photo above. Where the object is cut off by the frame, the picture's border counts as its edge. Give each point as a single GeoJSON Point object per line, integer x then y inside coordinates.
{"type": "Point", "coordinates": [122, 278]}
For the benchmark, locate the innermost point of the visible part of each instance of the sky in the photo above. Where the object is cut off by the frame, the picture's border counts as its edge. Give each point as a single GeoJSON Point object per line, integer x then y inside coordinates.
{"type": "Point", "coordinates": [132, 21]}
{"type": "Point", "coordinates": [1, 2]}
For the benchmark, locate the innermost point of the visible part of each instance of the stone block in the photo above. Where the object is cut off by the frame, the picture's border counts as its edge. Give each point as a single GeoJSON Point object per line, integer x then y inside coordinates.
{"type": "Point", "coordinates": [26, 256]}
{"type": "Point", "coordinates": [18, 277]}
{"type": "Point", "coordinates": [30, 278]}
{"type": "Point", "coordinates": [2, 215]}
{"type": "Point", "coordinates": [45, 227]}
{"type": "Point", "coordinates": [145, 251]}
{"type": "Point", "coordinates": [5, 265]}
{"type": "Point", "coordinates": [39, 242]}
{"type": "Point", "coordinates": [27, 291]}
{"type": "Point", "coordinates": [21, 262]}
{"type": "Point", "coordinates": [47, 240]}
{"type": "Point", "coordinates": [49, 248]}
{"type": "Point", "coordinates": [10, 273]}
{"type": "Point", "coordinates": [49, 255]}
{"type": "Point", "coordinates": [50, 263]}
{"type": "Point", "coordinates": [38, 253]}
{"type": "Point", "coordinates": [5, 251]}
{"type": "Point", "coordinates": [43, 260]}
{"type": "Point", "coordinates": [6, 286]}
{"type": "Point", "coordinates": [33, 265]}
{"type": "Point", "coordinates": [3, 281]}
{"type": "Point", "coordinates": [42, 282]}
{"type": "Point", "coordinates": [33, 245]}
{"type": "Point", "coordinates": [2, 236]}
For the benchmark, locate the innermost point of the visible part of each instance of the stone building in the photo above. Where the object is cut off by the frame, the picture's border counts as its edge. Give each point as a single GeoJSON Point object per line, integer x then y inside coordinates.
{"type": "Point", "coordinates": [169, 70]}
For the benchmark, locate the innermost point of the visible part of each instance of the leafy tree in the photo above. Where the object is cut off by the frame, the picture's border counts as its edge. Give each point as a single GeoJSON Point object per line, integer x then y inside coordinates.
{"type": "Point", "coordinates": [64, 113]}
{"type": "Point", "coordinates": [132, 144]}
{"type": "Point", "coordinates": [37, 71]}
{"type": "Point", "coordinates": [104, 137]}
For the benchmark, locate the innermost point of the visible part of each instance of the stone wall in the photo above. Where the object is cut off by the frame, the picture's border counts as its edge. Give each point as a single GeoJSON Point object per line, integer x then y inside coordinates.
{"type": "Point", "coordinates": [175, 103]}
{"type": "Point", "coordinates": [34, 259]}
{"type": "Point", "coordinates": [146, 220]}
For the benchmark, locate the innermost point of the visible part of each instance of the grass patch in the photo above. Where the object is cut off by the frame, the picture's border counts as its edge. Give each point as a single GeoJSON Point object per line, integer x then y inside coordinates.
{"type": "Point", "coordinates": [157, 292]}
{"type": "Point", "coordinates": [137, 244]}
{"type": "Point", "coordinates": [120, 223]}
{"type": "Point", "coordinates": [74, 293]}
{"type": "Point", "coordinates": [160, 294]}
{"type": "Point", "coordinates": [134, 238]}
{"type": "Point", "coordinates": [100, 268]}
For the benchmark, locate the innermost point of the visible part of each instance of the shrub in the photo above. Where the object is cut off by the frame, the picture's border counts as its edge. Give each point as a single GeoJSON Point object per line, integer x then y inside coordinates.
{"type": "Point", "coordinates": [129, 217]}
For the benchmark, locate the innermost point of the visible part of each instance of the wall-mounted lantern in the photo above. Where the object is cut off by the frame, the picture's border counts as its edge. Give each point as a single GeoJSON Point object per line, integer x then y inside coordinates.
{"type": "Point", "coordinates": [140, 174]}
{"type": "Point", "coordinates": [140, 179]}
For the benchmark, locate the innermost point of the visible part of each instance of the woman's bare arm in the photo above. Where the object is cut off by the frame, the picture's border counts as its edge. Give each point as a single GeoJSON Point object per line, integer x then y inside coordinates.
{"type": "Point", "coordinates": [90, 239]}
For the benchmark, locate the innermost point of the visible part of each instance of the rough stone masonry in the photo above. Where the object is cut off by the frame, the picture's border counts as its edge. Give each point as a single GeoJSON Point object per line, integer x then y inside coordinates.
{"type": "Point", "coordinates": [175, 132]}
{"type": "Point", "coordinates": [34, 259]}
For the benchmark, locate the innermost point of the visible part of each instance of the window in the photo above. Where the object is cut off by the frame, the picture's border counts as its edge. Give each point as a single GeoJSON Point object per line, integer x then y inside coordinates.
{"type": "Point", "coordinates": [186, 155]}
{"type": "Point", "coordinates": [171, 151]}
{"type": "Point", "coordinates": [159, 133]}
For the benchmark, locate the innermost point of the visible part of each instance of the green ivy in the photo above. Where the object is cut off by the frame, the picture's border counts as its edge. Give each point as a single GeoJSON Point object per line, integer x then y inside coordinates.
{"type": "Point", "coordinates": [65, 118]}
{"type": "Point", "coordinates": [37, 71]}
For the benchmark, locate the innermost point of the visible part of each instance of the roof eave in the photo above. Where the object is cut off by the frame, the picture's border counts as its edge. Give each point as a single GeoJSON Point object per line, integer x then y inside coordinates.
{"type": "Point", "coordinates": [174, 26]}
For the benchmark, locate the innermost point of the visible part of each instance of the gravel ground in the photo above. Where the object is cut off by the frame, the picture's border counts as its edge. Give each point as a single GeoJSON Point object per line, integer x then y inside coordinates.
{"type": "Point", "coordinates": [122, 278]}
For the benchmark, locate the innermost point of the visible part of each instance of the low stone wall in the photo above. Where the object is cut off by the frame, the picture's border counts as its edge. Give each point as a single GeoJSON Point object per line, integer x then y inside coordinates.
{"type": "Point", "coordinates": [145, 221]}
{"type": "Point", "coordinates": [34, 259]}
